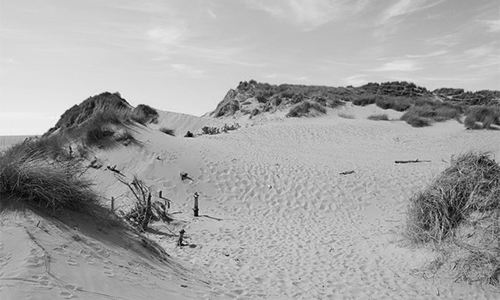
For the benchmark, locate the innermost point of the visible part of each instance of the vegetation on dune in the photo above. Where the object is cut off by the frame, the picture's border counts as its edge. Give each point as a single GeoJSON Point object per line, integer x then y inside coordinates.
{"type": "Point", "coordinates": [28, 171]}
{"type": "Point", "coordinates": [460, 213]}
{"type": "Point", "coordinates": [167, 131]}
{"type": "Point", "coordinates": [346, 115]}
{"type": "Point", "coordinates": [217, 130]}
{"type": "Point", "coordinates": [425, 115]}
{"type": "Point", "coordinates": [487, 115]}
{"type": "Point", "coordinates": [379, 117]}
{"type": "Point", "coordinates": [305, 108]}
{"type": "Point", "coordinates": [144, 114]}
{"type": "Point", "coordinates": [422, 107]}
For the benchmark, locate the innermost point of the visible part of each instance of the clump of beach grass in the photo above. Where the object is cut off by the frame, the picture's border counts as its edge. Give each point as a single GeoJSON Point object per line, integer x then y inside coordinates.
{"type": "Point", "coordinates": [32, 176]}
{"type": "Point", "coordinates": [379, 117]}
{"type": "Point", "coordinates": [305, 108]}
{"type": "Point", "coordinates": [459, 213]}
{"type": "Point", "coordinates": [346, 115]}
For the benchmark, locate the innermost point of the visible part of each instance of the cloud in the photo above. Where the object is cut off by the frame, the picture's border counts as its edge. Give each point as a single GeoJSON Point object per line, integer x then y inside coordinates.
{"type": "Point", "coordinates": [308, 14]}
{"type": "Point", "coordinates": [479, 51]}
{"type": "Point", "coordinates": [435, 53]}
{"type": "Point", "coordinates": [393, 15]}
{"type": "Point", "coordinates": [170, 35]}
{"type": "Point", "coordinates": [493, 25]}
{"type": "Point", "coordinates": [399, 65]}
{"type": "Point", "coordinates": [404, 7]}
{"type": "Point", "coordinates": [189, 70]}
{"type": "Point", "coordinates": [356, 80]}
{"type": "Point", "coordinates": [448, 40]}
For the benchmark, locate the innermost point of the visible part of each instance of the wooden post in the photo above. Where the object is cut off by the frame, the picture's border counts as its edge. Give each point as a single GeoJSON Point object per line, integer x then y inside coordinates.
{"type": "Point", "coordinates": [147, 215]}
{"type": "Point", "coordinates": [113, 204]}
{"type": "Point", "coordinates": [195, 209]}
{"type": "Point", "coordinates": [160, 194]}
{"type": "Point", "coordinates": [181, 236]}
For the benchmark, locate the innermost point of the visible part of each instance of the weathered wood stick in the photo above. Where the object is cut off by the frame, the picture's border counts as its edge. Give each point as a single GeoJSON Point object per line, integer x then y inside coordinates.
{"type": "Point", "coordinates": [195, 209]}
{"type": "Point", "coordinates": [410, 161]}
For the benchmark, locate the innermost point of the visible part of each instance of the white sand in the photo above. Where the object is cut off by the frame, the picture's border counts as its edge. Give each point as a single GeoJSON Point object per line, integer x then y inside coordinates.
{"type": "Point", "coordinates": [277, 220]}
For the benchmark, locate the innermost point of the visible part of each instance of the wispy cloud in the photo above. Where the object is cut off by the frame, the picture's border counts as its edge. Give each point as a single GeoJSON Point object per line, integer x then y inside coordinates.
{"type": "Point", "coordinates": [479, 51]}
{"type": "Point", "coordinates": [448, 40]}
{"type": "Point", "coordinates": [432, 54]}
{"type": "Point", "coordinates": [405, 7]}
{"type": "Point", "coordinates": [169, 35]}
{"type": "Point", "coordinates": [493, 25]}
{"type": "Point", "coordinates": [393, 15]}
{"type": "Point", "coordinates": [310, 14]}
{"type": "Point", "coordinates": [356, 80]}
{"type": "Point", "coordinates": [399, 65]}
{"type": "Point", "coordinates": [189, 70]}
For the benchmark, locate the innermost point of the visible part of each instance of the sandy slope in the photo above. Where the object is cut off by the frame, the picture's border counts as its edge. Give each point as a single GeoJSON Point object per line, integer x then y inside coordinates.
{"type": "Point", "coordinates": [278, 221]}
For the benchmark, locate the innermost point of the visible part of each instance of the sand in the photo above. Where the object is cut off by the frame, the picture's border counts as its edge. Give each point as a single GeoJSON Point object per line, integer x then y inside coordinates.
{"type": "Point", "coordinates": [277, 219]}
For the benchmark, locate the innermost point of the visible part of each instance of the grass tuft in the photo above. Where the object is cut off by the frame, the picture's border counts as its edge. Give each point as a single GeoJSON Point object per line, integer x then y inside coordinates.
{"type": "Point", "coordinates": [345, 115]}
{"type": "Point", "coordinates": [37, 179]}
{"type": "Point", "coordinates": [305, 108]}
{"type": "Point", "coordinates": [460, 213]}
{"type": "Point", "coordinates": [168, 131]}
{"type": "Point", "coordinates": [379, 117]}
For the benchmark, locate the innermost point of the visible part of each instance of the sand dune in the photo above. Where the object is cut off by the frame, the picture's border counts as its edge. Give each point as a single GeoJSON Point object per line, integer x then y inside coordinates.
{"type": "Point", "coordinates": [277, 220]}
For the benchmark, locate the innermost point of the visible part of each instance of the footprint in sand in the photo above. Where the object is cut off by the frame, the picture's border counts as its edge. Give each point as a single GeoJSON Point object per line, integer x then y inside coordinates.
{"type": "Point", "coordinates": [46, 284]}
{"type": "Point", "coordinates": [4, 259]}
{"type": "Point", "coordinates": [73, 287]}
{"type": "Point", "coordinates": [108, 272]}
{"type": "Point", "coordinates": [72, 262]}
{"type": "Point", "coordinates": [66, 295]}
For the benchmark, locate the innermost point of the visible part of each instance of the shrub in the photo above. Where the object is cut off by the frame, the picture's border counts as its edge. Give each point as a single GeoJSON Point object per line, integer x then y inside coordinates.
{"type": "Point", "coordinates": [144, 114]}
{"type": "Point", "coordinates": [458, 212]}
{"type": "Point", "coordinates": [210, 130]}
{"type": "Point", "coordinates": [379, 117]}
{"type": "Point", "coordinates": [189, 134]}
{"type": "Point", "coordinates": [255, 112]}
{"type": "Point", "coordinates": [304, 108]}
{"type": "Point", "coordinates": [167, 131]}
{"type": "Point", "coordinates": [37, 179]}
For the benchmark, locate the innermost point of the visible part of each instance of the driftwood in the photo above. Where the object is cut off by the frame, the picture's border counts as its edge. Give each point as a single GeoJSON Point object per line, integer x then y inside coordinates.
{"type": "Point", "coordinates": [410, 161]}
{"type": "Point", "coordinates": [346, 172]}
{"type": "Point", "coordinates": [185, 176]}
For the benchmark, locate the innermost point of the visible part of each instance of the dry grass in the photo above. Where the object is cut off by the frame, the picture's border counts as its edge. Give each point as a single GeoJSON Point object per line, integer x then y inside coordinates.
{"type": "Point", "coordinates": [305, 108]}
{"type": "Point", "coordinates": [345, 115]}
{"type": "Point", "coordinates": [487, 115]}
{"type": "Point", "coordinates": [379, 117]}
{"type": "Point", "coordinates": [34, 177]}
{"type": "Point", "coordinates": [168, 131]}
{"type": "Point", "coordinates": [459, 214]}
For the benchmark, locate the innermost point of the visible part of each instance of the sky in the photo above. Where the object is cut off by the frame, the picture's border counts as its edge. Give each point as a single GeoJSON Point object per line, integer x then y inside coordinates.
{"type": "Point", "coordinates": [184, 55]}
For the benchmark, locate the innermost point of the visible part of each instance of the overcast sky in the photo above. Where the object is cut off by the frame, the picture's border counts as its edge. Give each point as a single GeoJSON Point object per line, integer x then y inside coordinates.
{"type": "Point", "coordinates": [184, 55]}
